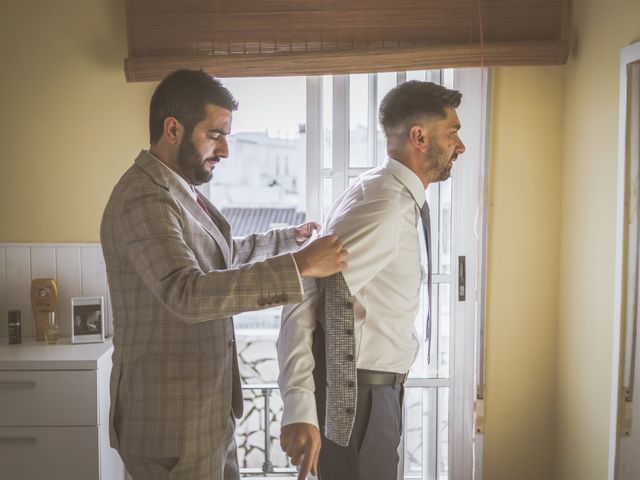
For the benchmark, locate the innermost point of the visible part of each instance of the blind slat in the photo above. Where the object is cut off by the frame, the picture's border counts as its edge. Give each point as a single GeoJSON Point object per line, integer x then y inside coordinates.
{"type": "Point", "coordinates": [350, 61]}
{"type": "Point", "coordinates": [296, 37]}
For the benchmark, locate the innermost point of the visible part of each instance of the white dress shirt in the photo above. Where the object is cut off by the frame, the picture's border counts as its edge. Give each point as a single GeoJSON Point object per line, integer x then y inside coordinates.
{"type": "Point", "coordinates": [376, 219]}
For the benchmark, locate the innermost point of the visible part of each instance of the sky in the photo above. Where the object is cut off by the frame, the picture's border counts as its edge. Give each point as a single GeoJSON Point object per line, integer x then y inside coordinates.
{"type": "Point", "coordinates": [278, 104]}
{"type": "Point", "coordinates": [275, 104]}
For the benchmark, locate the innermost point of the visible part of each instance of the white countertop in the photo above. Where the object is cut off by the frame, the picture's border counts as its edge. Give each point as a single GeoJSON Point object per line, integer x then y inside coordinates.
{"type": "Point", "coordinates": [32, 355]}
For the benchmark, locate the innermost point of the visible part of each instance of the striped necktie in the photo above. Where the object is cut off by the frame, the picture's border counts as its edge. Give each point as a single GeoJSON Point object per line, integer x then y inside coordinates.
{"type": "Point", "coordinates": [202, 204]}
{"type": "Point", "coordinates": [426, 225]}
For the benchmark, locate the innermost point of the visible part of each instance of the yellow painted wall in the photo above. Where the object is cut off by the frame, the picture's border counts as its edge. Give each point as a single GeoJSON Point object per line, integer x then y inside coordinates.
{"type": "Point", "coordinates": [71, 124]}
{"type": "Point", "coordinates": [523, 255]}
{"type": "Point", "coordinates": [600, 29]}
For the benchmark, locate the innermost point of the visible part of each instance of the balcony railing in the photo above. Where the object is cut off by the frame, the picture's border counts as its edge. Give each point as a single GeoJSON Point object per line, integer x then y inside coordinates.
{"type": "Point", "coordinates": [254, 432]}
{"type": "Point", "coordinates": [257, 433]}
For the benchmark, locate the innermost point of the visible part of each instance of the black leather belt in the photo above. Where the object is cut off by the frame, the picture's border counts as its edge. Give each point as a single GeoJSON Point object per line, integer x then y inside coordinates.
{"type": "Point", "coordinates": [372, 377]}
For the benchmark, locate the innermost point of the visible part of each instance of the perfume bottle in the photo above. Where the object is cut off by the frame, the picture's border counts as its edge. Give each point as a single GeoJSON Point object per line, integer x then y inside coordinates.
{"type": "Point", "coordinates": [15, 327]}
{"type": "Point", "coordinates": [51, 333]}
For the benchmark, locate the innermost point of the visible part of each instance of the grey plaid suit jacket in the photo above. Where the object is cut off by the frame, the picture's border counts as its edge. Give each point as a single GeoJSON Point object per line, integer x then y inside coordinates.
{"type": "Point", "coordinates": [176, 277]}
{"type": "Point", "coordinates": [335, 314]}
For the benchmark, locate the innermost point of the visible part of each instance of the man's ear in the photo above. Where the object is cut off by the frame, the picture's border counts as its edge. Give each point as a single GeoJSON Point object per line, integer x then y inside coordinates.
{"type": "Point", "coordinates": [173, 130]}
{"type": "Point", "coordinates": [419, 138]}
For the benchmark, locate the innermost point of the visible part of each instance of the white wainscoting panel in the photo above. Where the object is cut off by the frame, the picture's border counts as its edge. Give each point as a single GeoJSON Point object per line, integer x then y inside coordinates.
{"type": "Point", "coordinates": [3, 296]}
{"type": "Point", "coordinates": [43, 262]}
{"type": "Point", "coordinates": [69, 278]}
{"type": "Point", "coordinates": [78, 269]}
{"type": "Point", "coordinates": [18, 286]}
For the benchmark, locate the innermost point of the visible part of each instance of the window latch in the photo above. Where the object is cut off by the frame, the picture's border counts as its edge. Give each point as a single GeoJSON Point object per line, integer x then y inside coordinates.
{"type": "Point", "coordinates": [627, 413]}
{"type": "Point", "coordinates": [462, 278]}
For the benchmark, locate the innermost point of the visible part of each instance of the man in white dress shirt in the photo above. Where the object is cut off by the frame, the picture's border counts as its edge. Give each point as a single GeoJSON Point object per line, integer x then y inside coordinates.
{"type": "Point", "coordinates": [359, 324]}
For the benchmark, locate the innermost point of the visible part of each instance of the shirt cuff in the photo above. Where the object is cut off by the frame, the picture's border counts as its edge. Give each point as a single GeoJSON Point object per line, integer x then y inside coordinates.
{"type": "Point", "coordinates": [299, 407]}
{"type": "Point", "coordinates": [300, 283]}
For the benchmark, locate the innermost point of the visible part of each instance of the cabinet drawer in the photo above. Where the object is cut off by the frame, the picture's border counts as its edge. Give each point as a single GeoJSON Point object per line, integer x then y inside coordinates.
{"type": "Point", "coordinates": [48, 398]}
{"type": "Point", "coordinates": [54, 453]}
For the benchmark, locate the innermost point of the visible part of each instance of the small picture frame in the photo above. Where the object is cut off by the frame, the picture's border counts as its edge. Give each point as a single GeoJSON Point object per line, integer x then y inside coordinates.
{"type": "Point", "coordinates": [87, 319]}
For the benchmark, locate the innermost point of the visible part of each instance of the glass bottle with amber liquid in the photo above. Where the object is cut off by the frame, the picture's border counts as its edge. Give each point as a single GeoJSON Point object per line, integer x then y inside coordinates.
{"type": "Point", "coordinates": [52, 331]}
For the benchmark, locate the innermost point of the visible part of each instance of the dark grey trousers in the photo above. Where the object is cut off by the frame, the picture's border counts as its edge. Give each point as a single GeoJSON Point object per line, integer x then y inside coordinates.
{"type": "Point", "coordinates": [372, 453]}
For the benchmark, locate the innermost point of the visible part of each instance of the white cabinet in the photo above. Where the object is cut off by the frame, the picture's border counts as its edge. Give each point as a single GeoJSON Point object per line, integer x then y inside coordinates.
{"type": "Point", "coordinates": [54, 413]}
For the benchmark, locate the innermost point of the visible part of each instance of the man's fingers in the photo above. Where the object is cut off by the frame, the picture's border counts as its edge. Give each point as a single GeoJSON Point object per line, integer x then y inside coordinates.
{"type": "Point", "coordinates": [314, 462]}
{"type": "Point", "coordinates": [301, 443]}
{"type": "Point", "coordinates": [307, 463]}
{"type": "Point", "coordinates": [297, 456]}
{"type": "Point", "coordinates": [295, 452]}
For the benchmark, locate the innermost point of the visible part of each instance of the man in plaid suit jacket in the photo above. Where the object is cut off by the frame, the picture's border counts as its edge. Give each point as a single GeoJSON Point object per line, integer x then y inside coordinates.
{"type": "Point", "coordinates": [176, 277]}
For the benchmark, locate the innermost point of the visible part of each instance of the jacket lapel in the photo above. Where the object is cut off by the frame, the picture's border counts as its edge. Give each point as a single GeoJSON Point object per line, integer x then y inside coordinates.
{"type": "Point", "coordinates": [223, 226]}
{"type": "Point", "coordinates": [219, 230]}
{"type": "Point", "coordinates": [214, 229]}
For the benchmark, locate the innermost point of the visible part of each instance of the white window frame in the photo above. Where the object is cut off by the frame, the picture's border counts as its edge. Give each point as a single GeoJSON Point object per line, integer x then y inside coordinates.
{"type": "Point", "coordinates": [624, 427]}
{"type": "Point", "coordinates": [466, 382]}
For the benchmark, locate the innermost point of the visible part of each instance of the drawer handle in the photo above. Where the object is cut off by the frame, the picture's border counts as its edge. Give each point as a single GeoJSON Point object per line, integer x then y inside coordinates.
{"type": "Point", "coordinates": [17, 384]}
{"type": "Point", "coordinates": [5, 440]}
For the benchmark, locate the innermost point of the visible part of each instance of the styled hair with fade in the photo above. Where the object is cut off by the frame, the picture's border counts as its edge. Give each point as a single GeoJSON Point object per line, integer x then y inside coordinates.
{"type": "Point", "coordinates": [185, 94]}
{"type": "Point", "coordinates": [414, 102]}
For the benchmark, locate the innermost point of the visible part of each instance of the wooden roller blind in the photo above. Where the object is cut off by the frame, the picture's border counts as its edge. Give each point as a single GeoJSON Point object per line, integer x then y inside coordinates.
{"type": "Point", "coordinates": [235, 38]}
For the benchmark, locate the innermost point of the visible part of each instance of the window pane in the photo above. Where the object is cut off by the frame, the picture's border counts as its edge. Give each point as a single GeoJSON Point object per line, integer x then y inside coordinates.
{"type": "Point", "coordinates": [250, 431]}
{"type": "Point", "coordinates": [420, 433]}
{"type": "Point", "coordinates": [443, 433]}
{"type": "Point", "coordinates": [444, 227]}
{"type": "Point", "coordinates": [438, 367]}
{"type": "Point", "coordinates": [358, 120]}
{"type": "Point", "coordinates": [443, 330]}
{"type": "Point", "coordinates": [416, 75]}
{"type": "Point", "coordinates": [327, 196]}
{"type": "Point", "coordinates": [261, 186]}
{"type": "Point", "coordinates": [448, 77]}
{"type": "Point", "coordinates": [434, 76]}
{"type": "Point", "coordinates": [267, 157]}
{"type": "Point", "coordinates": [386, 81]}
{"type": "Point", "coordinates": [327, 120]}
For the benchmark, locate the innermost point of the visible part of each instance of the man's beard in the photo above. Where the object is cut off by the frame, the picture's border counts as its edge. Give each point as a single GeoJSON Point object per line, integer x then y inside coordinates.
{"type": "Point", "coordinates": [191, 163]}
{"type": "Point", "coordinates": [437, 162]}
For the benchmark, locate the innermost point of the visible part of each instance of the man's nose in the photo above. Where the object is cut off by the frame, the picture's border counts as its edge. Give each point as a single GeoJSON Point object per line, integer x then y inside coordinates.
{"type": "Point", "coordinates": [460, 148]}
{"type": "Point", "coordinates": [222, 148]}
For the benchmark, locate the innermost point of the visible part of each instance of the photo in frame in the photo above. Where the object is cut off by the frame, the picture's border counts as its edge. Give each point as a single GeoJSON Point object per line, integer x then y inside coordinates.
{"type": "Point", "coordinates": [87, 319]}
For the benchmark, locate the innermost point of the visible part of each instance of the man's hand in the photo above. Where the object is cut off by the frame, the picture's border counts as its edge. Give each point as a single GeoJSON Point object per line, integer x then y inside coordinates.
{"type": "Point", "coordinates": [301, 442]}
{"type": "Point", "coordinates": [321, 258]}
{"type": "Point", "coordinates": [303, 232]}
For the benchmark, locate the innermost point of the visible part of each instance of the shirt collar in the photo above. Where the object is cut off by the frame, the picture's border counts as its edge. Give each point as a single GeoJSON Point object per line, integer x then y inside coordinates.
{"type": "Point", "coordinates": [190, 188]}
{"type": "Point", "coordinates": [408, 178]}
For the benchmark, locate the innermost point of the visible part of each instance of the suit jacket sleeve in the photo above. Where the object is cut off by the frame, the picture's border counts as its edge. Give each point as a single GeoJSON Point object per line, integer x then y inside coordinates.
{"type": "Point", "coordinates": [151, 229]}
{"type": "Point", "coordinates": [259, 246]}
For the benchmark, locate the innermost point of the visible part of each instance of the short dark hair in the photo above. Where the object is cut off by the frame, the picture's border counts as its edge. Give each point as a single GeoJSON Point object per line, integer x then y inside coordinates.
{"type": "Point", "coordinates": [185, 94]}
{"type": "Point", "coordinates": [414, 101]}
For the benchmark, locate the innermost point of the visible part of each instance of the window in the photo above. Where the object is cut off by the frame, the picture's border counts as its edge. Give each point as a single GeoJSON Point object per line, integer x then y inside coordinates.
{"type": "Point", "coordinates": [439, 399]}
{"type": "Point", "coordinates": [326, 132]}
{"type": "Point", "coordinates": [624, 436]}
{"type": "Point", "coordinates": [259, 187]}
